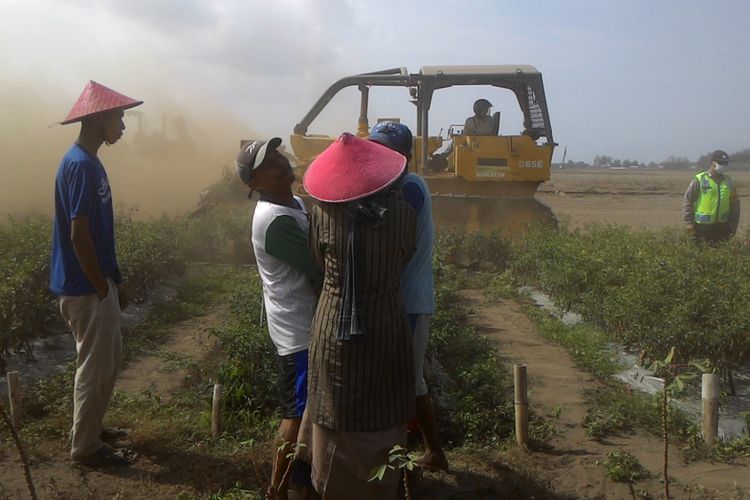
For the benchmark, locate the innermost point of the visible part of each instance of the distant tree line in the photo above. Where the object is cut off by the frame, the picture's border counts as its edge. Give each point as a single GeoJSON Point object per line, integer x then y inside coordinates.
{"type": "Point", "coordinates": [739, 160]}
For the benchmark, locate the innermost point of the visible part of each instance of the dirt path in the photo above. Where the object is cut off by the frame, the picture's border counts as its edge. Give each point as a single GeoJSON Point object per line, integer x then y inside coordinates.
{"type": "Point", "coordinates": [572, 464]}
{"type": "Point", "coordinates": [160, 373]}
{"type": "Point", "coordinates": [164, 371]}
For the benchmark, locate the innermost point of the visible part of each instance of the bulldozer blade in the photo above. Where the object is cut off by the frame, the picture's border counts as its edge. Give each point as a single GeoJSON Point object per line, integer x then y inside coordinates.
{"type": "Point", "coordinates": [511, 217]}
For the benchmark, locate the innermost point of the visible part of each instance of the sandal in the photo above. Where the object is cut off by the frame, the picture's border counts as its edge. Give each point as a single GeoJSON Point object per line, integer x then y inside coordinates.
{"type": "Point", "coordinates": [107, 457]}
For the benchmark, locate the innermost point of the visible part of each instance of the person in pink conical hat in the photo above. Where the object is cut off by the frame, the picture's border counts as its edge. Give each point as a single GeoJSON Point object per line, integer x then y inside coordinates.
{"type": "Point", "coordinates": [361, 368]}
{"type": "Point", "coordinates": [84, 272]}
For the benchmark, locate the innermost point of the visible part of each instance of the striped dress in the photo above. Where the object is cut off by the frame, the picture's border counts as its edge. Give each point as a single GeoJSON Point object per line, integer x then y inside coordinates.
{"type": "Point", "coordinates": [364, 383]}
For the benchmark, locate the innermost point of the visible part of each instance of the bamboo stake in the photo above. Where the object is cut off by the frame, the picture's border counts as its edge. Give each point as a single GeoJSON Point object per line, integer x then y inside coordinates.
{"type": "Point", "coordinates": [216, 412]}
{"type": "Point", "coordinates": [710, 407]}
{"type": "Point", "coordinates": [14, 394]}
{"type": "Point", "coordinates": [521, 404]}
{"type": "Point", "coordinates": [665, 439]}
{"type": "Point", "coordinates": [21, 451]}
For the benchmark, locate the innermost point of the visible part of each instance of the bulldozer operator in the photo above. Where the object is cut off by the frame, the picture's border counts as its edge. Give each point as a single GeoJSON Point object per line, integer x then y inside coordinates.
{"type": "Point", "coordinates": [481, 123]}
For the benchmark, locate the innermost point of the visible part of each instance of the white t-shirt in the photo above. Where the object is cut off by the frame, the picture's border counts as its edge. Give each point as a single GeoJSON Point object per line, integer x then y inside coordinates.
{"type": "Point", "coordinates": [288, 292]}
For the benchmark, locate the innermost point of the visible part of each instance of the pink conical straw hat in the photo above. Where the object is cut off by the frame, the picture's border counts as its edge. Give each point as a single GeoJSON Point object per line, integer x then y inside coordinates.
{"type": "Point", "coordinates": [352, 168]}
{"type": "Point", "coordinates": [97, 98]}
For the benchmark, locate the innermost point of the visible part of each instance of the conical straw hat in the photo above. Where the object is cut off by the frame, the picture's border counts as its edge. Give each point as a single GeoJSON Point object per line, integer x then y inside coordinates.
{"type": "Point", "coordinates": [97, 98]}
{"type": "Point", "coordinates": [352, 168]}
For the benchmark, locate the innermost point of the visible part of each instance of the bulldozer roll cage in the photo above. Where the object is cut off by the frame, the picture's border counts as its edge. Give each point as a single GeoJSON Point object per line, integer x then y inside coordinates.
{"type": "Point", "coordinates": [524, 81]}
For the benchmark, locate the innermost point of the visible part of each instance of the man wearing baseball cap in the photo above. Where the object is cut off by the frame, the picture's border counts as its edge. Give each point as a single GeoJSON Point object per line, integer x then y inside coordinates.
{"type": "Point", "coordinates": [711, 207]}
{"type": "Point", "coordinates": [84, 272]}
{"type": "Point", "coordinates": [290, 281]}
{"type": "Point", "coordinates": [417, 286]}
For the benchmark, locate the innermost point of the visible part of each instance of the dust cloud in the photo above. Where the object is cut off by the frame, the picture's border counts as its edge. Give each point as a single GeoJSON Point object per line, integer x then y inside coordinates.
{"type": "Point", "coordinates": [169, 153]}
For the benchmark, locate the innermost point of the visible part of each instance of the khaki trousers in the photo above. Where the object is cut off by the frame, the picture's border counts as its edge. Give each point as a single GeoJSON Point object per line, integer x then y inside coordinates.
{"type": "Point", "coordinates": [96, 327]}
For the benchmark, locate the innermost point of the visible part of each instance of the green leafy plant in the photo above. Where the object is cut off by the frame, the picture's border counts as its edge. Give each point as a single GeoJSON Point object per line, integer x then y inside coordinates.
{"type": "Point", "coordinates": [149, 251]}
{"type": "Point", "coordinates": [401, 460]}
{"type": "Point", "coordinates": [647, 290]}
{"type": "Point", "coordinates": [600, 423]}
{"type": "Point", "coordinates": [675, 377]}
{"type": "Point", "coordinates": [290, 451]}
{"type": "Point", "coordinates": [622, 467]}
{"type": "Point", "coordinates": [557, 411]}
{"type": "Point", "coordinates": [27, 308]}
{"type": "Point", "coordinates": [248, 374]}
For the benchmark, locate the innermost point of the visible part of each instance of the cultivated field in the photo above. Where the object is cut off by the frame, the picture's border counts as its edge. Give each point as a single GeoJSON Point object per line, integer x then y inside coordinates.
{"type": "Point", "coordinates": [641, 199]}
{"type": "Point", "coordinates": [591, 437]}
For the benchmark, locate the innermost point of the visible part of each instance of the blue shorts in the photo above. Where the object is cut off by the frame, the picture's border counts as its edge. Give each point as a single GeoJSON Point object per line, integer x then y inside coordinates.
{"type": "Point", "coordinates": [292, 371]}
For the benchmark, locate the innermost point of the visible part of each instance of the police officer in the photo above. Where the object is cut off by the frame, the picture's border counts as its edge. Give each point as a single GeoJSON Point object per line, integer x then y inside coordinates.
{"type": "Point", "coordinates": [711, 208]}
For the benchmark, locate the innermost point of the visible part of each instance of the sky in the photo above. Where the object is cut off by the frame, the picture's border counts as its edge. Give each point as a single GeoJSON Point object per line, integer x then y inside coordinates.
{"type": "Point", "coordinates": [631, 79]}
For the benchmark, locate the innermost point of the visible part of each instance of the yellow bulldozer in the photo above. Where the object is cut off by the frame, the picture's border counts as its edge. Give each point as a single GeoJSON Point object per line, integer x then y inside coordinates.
{"type": "Point", "coordinates": [477, 182]}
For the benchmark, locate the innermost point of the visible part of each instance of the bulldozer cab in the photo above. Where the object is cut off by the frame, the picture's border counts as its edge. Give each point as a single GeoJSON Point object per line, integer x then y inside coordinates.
{"type": "Point", "coordinates": [493, 167]}
{"type": "Point", "coordinates": [505, 158]}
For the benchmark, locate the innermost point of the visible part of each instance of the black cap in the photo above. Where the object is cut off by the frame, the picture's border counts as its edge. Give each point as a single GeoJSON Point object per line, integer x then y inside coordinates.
{"type": "Point", "coordinates": [251, 156]}
{"type": "Point", "coordinates": [720, 156]}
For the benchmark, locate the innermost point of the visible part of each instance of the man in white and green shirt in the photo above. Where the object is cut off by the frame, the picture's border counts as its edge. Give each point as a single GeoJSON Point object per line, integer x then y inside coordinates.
{"type": "Point", "coordinates": [290, 280]}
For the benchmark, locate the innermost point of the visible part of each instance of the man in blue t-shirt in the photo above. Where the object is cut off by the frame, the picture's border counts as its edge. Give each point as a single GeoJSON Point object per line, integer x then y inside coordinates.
{"type": "Point", "coordinates": [417, 286]}
{"type": "Point", "coordinates": [84, 272]}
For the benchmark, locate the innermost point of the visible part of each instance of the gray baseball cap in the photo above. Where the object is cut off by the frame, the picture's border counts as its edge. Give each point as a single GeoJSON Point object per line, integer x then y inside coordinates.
{"type": "Point", "coordinates": [251, 156]}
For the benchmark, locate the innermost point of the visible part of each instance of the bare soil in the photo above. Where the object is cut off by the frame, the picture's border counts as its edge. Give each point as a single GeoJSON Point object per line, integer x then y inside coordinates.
{"type": "Point", "coordinates": [158, 472]}
{"type": "Point", "coordinates": [641, 199]}
{"type": "Point", "coordinates": [571, 463]}
{"type": "Point", "coordinates": [164, 372]}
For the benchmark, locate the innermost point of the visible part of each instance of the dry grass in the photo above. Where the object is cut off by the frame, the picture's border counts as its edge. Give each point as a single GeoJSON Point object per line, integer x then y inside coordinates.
{"type": "Point", "coordinates": [628, 181]}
